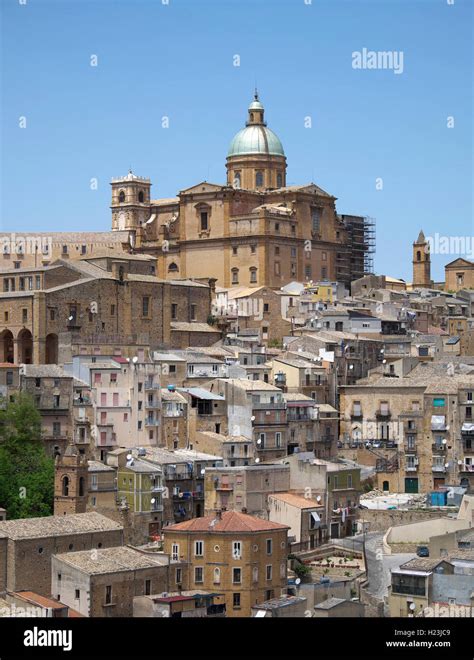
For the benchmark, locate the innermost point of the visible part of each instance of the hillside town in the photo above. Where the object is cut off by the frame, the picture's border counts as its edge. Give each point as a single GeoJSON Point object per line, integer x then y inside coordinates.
{"type": "Point", "coordinates": [240, 417]}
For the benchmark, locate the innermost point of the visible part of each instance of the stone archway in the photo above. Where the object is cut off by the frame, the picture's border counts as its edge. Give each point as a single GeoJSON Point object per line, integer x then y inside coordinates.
{"type": "Point", "coordinates": [6, 347]}
{"type": "Point", "coordinates": [51, 347]}
{"type": "Point", "coordinates": [25, 347]}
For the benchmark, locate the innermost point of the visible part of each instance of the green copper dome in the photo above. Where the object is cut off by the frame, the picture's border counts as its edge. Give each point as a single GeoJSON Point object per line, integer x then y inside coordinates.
{"type": "Point", "coordinates": [255, 138]}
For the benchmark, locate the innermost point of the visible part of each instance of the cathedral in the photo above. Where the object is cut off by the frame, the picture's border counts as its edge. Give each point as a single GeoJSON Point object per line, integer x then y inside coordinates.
{"type": "Point", "coordinates": [252, 231]}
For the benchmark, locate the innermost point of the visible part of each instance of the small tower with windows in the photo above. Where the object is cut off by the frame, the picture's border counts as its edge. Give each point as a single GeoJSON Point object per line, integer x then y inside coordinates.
{"type": "Point", "coordinates": [70, 482]}
{"type": "Point", "coordinates": [130, 202]}
{"type": "Point", "coordinates": [421, 262]}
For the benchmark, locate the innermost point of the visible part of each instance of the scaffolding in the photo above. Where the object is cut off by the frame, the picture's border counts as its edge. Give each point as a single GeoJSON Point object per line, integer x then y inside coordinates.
{"type": "Point", "coordinates": [361, 244]}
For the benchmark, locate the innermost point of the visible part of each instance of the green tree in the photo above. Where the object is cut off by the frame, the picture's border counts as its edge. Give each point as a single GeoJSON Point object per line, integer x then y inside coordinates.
{"type": "Point", "coordinates": [26, 472]}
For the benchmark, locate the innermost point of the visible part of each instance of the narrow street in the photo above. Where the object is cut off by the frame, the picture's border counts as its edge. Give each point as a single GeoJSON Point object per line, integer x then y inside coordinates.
{"type": "Point", "coordinates": [378, 564]}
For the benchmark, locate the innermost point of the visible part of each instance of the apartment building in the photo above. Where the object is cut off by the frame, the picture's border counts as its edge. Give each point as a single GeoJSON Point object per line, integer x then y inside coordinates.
{"type": "Point", "coordinates": [257, 410]}
{"type": "Point", "coordinates": [423, 420]}
{"type": "Point", "coordinates": [240, 556]}
{"type": "Point", "coordinates": [245, 488]}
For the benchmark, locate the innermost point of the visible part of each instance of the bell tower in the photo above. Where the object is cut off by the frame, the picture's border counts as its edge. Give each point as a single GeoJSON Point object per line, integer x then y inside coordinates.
{"type": "Point", "coordinates": [421, 262]}
{"type": "Point", "coordinates": [70, 482]}
{"type": "Point", "coordinates": [130, 202]}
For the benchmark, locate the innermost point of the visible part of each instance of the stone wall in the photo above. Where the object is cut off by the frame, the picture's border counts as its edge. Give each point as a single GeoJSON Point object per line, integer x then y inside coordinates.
{"type": "Point", "coordinates": [380, 520]}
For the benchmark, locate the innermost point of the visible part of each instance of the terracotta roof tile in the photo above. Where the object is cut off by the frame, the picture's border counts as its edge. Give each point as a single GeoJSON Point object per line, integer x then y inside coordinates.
{"type": "Point", "coordinates": [231, 521]}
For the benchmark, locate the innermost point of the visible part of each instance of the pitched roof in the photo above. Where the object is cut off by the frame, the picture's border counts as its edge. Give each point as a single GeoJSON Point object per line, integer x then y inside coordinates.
{"type": "Point", "coordinates": [77, 523]}
{"type": "Point", "coordinates": [230, 521]}
{"type": "Point", "coordinates": [296, 500]}
{"type": "Point", "coordinates": [112, 560]}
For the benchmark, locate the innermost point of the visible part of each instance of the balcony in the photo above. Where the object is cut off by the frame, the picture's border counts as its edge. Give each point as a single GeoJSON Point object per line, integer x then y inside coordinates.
{"type": "Point", "coordinates": [468, 446]}
{"type": "Point", "coordinates": [178, 474]}
{"type": "Point", "coordinates": [270, 405]}
{"type": "Point", "coordinates": [152, 386]}
{"type": "Point", "coordinates": [356, 414]}
{"type": "Point", "coordinates": [410, 449]}
{"type": "Point", "coordinates": [152, 422]}
{"type": "Point", "coordinates": [408, 590]}
{"type": "Point", "coordinates": [410, 428]}
{"type": "Point", "coordinates": [411, 467]}
{"type": "Point", "coordinates": [466, 467]}
{"type": "Point", "coordinates": [152, 405]}
{"type": "Point", "coordinates": [438, 468]}
{"type": "Point", "coordinates": [156, 507]}
{"type": "Point", "coordinates": [383, 413]}
{"type": "Point", "coordinates": [438, 448]}
{"type": "Point", "coordinates": [298, 417]}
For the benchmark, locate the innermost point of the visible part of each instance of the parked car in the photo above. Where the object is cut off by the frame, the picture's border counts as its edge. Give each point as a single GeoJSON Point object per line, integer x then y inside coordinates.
{"type": "Point", "coordinates": [423, 551]}
{"type": "Point", "coordinates": [376, 444]}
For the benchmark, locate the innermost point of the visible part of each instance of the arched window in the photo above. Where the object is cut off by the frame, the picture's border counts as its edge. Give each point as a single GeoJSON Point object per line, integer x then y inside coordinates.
{"type": "Point", "coordinates": [217, 576]}
{"type": "Point", "coordinates": [141, 197]}
{"type": "Point", "coordinates": [259, 179]}
{"type": "Point", "coordinates": [173, 268]}
{"type": "Point", "coordinates": [65, 486]}
{"type": "Point", "coordinates": [279, 180]}
{"type": "Point", "coordinates": [418, 255]}
{"type": "Point", "coordinates": [121, 197]}
{"type": "Point", "coordinates": [237, 180]}
{"type": "Point", "coordinates": [251, 116]}
{"type": "Point", "coordinates": [253, 275]}
{"type": "Point", "coordinates": [235, 275]}
{"type": "Point", "coordinates": [81, 486]}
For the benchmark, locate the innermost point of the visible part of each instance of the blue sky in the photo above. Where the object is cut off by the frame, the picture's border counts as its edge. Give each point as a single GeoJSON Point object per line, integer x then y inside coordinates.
{"type": "Point", "coordinates": [176, 60]}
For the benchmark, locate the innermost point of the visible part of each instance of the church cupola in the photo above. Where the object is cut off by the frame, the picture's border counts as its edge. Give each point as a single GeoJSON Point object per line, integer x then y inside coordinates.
{"type": "Point", "coordinates": [256, 159]}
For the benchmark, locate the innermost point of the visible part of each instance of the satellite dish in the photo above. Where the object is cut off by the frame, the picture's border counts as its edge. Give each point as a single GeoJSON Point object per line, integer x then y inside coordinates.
{"type": "Point", "coordinates": [203, 471]}
{"type": "Point", "coordinates": [257, 460]}
{"type": "Point", "coordinates": [412, 606]}
{"type": "Point", "coordinates": [298, 581]}
{"type": "Point", "coordinates": [444, 441]}
{"type": "Point", "coordinates": [318, 499]}
{"type": "Point", "coordinates": [446, 465]}
{"type": "Point", "coordinates": [128, 359]}
{"type": "Point", "coordinates": [252, 419]}
{"type": "Point", "coordinates": [152, 500]}
{"type": "Point", "coordinates": [129, 457]}
{"type": "Point", "coordinates": [259, 441]}
{"type": "Point", "coordinates": [70, 318]}
{"type": "Point", "coordinates": [135, 359]}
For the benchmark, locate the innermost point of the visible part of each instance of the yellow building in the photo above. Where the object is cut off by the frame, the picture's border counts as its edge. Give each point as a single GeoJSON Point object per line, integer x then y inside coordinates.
{"type": "Point", "coordinates": [459, 274]}
{"type": "Point", "coordinates": [237, 555]}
